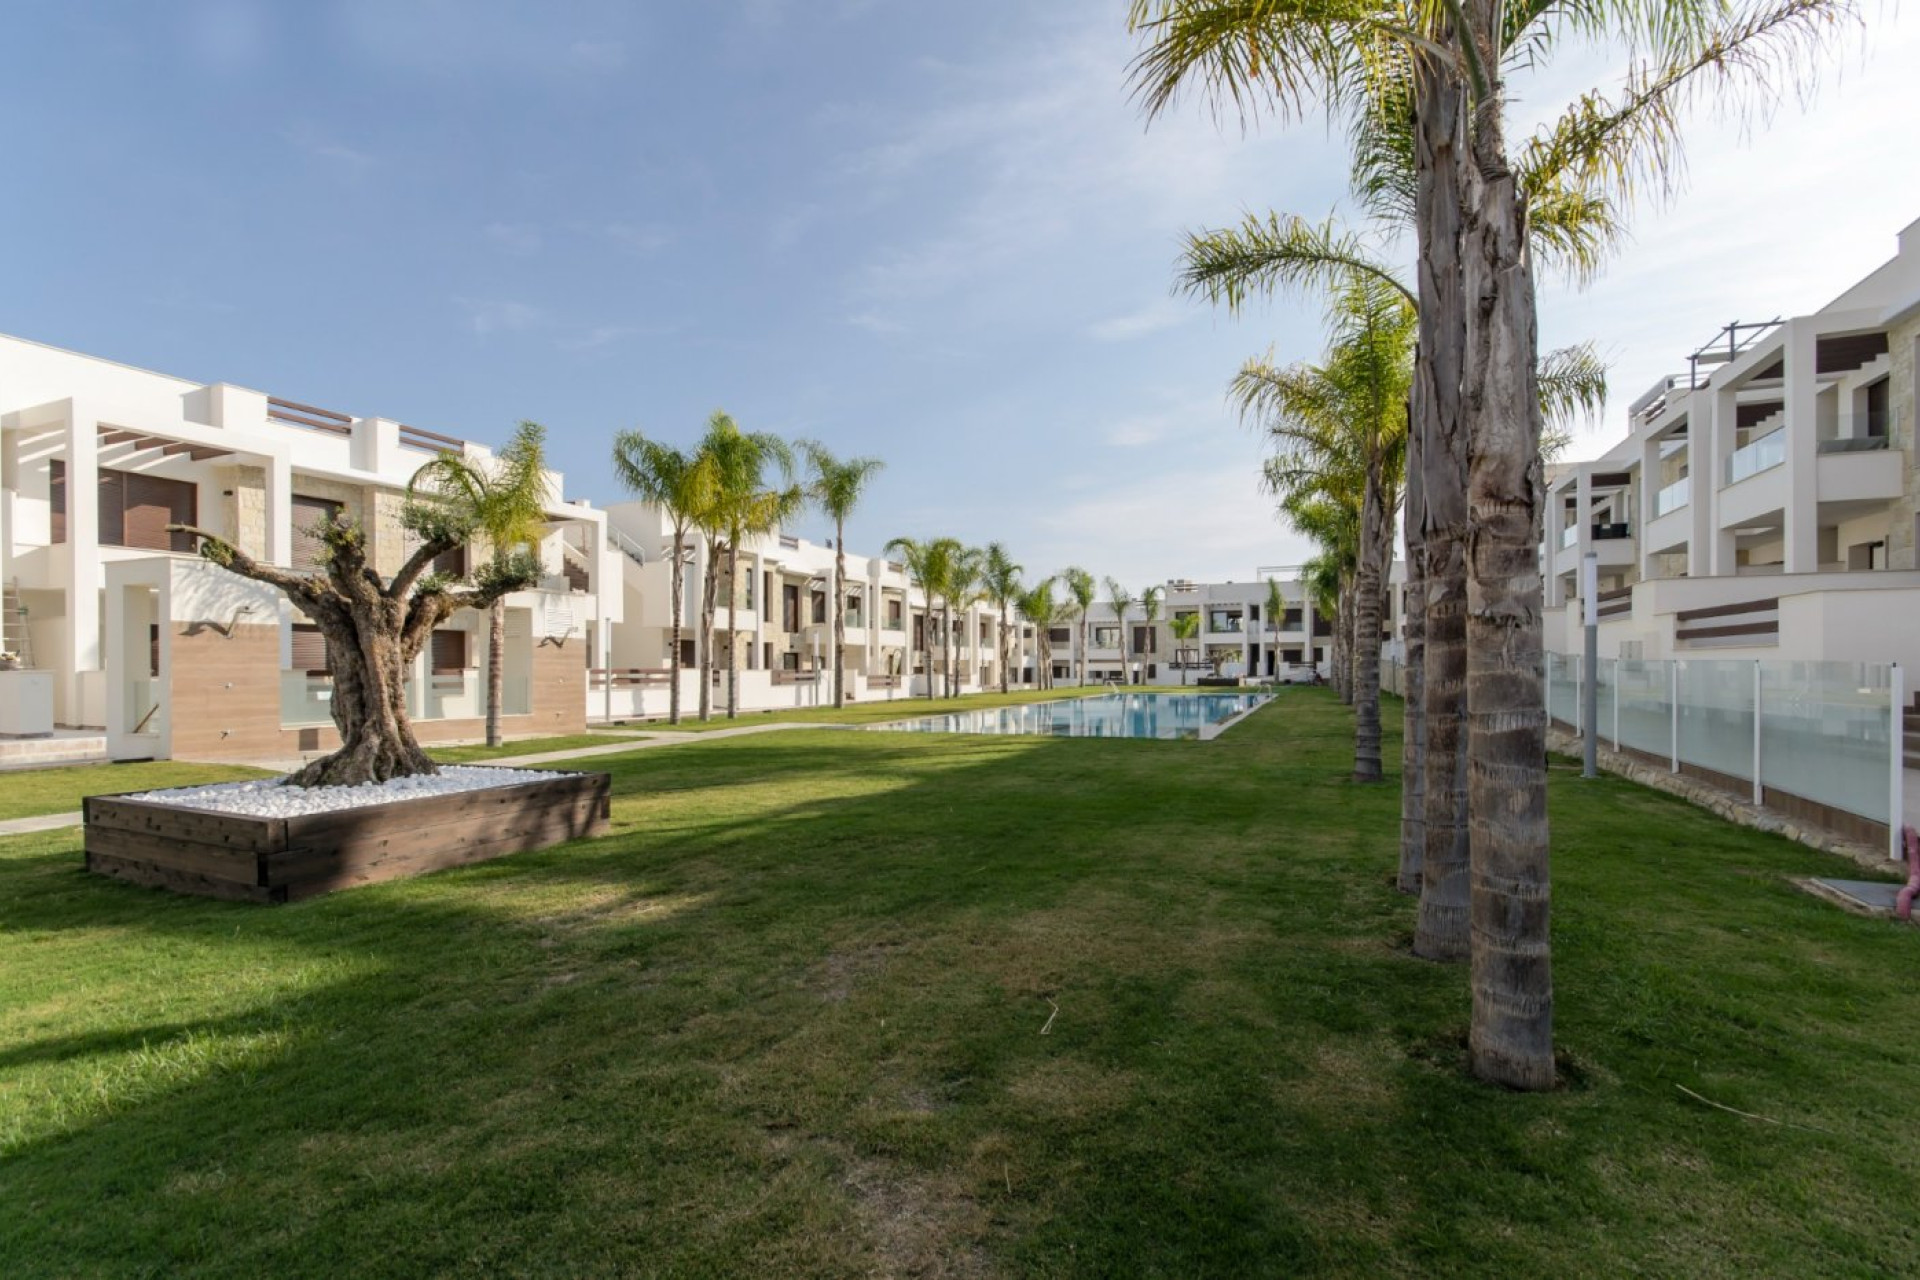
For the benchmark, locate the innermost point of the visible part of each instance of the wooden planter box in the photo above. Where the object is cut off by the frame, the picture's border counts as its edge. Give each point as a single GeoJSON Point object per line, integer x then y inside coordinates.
{"type": "Point", "coordinates": [228, 855]}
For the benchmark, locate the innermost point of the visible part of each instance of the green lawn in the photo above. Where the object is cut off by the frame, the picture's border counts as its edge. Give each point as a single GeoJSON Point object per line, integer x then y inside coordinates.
{"type": "Point", "coordinates": [529, 746]}
{"type": "Point", "coordinates": [873, 709]}
{"type": "Point", "coordinates": [842, 1004]}
{"type": "Point", "coordinates": [27, 793]}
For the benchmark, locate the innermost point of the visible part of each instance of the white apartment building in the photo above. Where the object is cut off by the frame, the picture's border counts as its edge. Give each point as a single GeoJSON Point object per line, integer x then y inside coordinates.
{"type": "Point", "coordinates": [168, 655]}
{"type": "Point", "coordinates": [1763, 504]}
{"type": "Point", "coordinates": [1236, 639]}
{"type": "Point", "coordinates": [777, 623]}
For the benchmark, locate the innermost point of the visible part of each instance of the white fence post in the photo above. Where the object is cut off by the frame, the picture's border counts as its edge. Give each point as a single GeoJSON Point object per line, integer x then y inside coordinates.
{"type": "Point", "coordinates": [1673, 705]}
{"type": "Point", "coordinates": [1897, 744]}
{"type": "Point", "coordinates": [1757, 793]}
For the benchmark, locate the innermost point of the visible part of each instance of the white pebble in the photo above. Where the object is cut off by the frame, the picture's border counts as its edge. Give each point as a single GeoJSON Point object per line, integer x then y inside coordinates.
{"type": "Point", "coordinates": [270, 798]}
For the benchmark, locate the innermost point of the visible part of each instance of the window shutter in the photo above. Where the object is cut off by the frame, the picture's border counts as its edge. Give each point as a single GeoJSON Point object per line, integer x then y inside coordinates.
{"type": "Point", "coordinates": [152, 503]}
{"type": "Point", "coordinates": [57, 497]}
{"type": "Point", "coordinates": [449, 652]}
{"type": "Point", "coordinates": [451, 564]}
{"type": "Point", "coordinates": [309, 514]}
{"type": "Point", "coordinates": [309, 650]}
{"type": "Point", "coordinates": [111, 525]}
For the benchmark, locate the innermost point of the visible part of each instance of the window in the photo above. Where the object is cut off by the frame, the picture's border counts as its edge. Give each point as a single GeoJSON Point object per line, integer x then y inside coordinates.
{"type": "Point", "coordinates": [57, 497]}
{"type": "Point", "coordinates": [790, 608]}
{"type": "Point", "coordinates": [1106, 637]}
{"type": "Point", "coordinates": [449, 653]}
{"type": "Point", "coordinates": [135, 509]}
{"type": "Point", "coordinates": [893, 615]}
{"type": "Point", "coordinates": [819, 606]}
{"type": "Point", "coordinates": [451, 563]}
{"type": "Point", "coordinates": [1144, 640]}
{"type": "Point", "coordinates": [309, 650]}
{"type": "Point", "coordinates": [1292, 620]}
{"type": "Point", "coordinates": [310, 515]}
{"type": "Point", "coordinates": [1877, 409]}
{"type": "Point", "coordinates": [766, 599]}
{"type": "Point", "coordinates": [1059, 635]}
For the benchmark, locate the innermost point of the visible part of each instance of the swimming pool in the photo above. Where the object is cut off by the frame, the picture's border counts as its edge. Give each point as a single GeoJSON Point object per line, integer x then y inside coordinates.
{"type": "Point", "coordinates": [1113, 715]}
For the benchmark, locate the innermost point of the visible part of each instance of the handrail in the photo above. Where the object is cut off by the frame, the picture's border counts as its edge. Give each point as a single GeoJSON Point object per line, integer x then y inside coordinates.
{"type": "Point", "coordinates": [306, 415]}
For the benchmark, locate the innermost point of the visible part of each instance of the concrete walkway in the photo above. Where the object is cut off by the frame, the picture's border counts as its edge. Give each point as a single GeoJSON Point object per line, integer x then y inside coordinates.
{"type": "Point", "coordinates": [45, 822]}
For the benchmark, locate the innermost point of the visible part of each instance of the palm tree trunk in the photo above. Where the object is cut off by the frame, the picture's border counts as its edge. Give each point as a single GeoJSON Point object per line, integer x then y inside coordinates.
{"type": "Point", "coordinates": [1366, 626]}
{"type": "Point", "coordinates": [1512, 1036]}
{"type": "Point", "coordinates": [709, 585]}
{"type": "Point", "coordinates": [1413, 733]}
{"type": "Point", "coordinates": [1441, 933]}
{"type": "Point", "coordinates": [1343, 643]}
{"type": "Point", "coordinates": [496, 663]}
{"type": "Point", "coordinates": [840, 613]}
{"type": "Point", "coordinates": [677, 590]}
{"type": "Point", "coordinates": [733, 626]}
{"type": "Point", "coordinates": [1083, 648]}
{"type": "Point", "coordinates": [1002, 638]}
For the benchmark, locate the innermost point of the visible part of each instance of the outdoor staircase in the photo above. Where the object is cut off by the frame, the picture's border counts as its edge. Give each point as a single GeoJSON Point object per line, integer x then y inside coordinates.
{"type": "Point", "coordinates": [15, 636]}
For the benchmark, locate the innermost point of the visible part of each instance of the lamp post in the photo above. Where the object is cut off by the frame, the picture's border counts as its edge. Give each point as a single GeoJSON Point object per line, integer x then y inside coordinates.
{"type": "Point", "coordinates": [1590, 692]}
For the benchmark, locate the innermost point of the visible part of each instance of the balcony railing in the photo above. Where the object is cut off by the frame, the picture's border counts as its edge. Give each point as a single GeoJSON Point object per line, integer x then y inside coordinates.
{"type": "Point", "coordinates": [1569, 536]}
{"type": "Point", "coordinates": [1853, 444]}
{"type": "Point", "coordinates": [1763, 454]}
{"type": "Point", "coordinates": [1673, 497]}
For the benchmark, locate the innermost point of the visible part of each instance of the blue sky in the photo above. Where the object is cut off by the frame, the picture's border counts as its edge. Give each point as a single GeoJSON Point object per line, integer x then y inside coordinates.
{"type": "Point", "coordinates": [936, 233]}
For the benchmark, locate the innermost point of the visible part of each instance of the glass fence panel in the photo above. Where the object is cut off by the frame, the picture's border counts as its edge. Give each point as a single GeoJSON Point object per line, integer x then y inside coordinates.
{"type": "Point", "coordinates": [1563, 689]}
{"type": "Point", "coordinates": [1644, 691]}
{"type": "Point", "coordinates": [451, 696]}
{"type": "Point", "coordinates": [1826, 733]}
{"type": "Point", "coordinates": [305, 700]}
{"type": "Point", "coordinates": [1604, 693]}
{"type": "Point", "coordinates": [1716, 716]}
{"type": "Point", "coordinates": [141, 699]}
{"type": "Point", "coordinates": [1763, 454]}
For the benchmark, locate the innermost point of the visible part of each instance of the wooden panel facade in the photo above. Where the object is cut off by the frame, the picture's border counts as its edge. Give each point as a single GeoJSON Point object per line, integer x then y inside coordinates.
{"type": "Point", "coordinates": [225, 699]}
{"type": "Point", "coordinates": [286, 859]}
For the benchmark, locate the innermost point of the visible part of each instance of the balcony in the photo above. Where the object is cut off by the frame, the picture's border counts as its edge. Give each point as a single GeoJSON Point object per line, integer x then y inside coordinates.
{"type": "Point", "coordinates": [1763, 454]}
{"type": "Point", "coordinates": [1673, 497]}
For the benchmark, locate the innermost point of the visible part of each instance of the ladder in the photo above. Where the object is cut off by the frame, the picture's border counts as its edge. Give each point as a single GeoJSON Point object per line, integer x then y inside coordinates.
{"type": "Point", "coordinates": [15, 636]}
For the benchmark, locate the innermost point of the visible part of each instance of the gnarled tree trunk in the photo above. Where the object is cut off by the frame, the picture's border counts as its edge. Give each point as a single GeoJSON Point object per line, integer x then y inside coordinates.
{"type": "Point", "coordinates": [1441, 932]}
{"type": "Point", "coordinates": [1512, 1035]}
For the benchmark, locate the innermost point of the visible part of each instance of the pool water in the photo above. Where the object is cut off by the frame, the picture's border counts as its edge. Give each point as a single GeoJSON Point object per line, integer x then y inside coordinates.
{"type": "Point", "coordinates": [1114, 715]}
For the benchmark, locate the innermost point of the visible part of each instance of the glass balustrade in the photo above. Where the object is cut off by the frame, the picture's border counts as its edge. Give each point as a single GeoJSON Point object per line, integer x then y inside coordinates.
{"type": "Point", "coordinates": [1762, 455]}
{"type": "Point", "coordinates": [1673, 497]}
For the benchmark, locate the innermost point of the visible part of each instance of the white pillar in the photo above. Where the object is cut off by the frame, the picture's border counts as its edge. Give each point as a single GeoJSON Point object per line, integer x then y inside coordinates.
{"type": "Point", "coordinates": [1803, 493]}
{"type": "Point", "coordinates": [1711, 549]}
{"type": "Point", "coordinates": [1554, 525]}
{"type": "Point", "coordinates": [82, 651]}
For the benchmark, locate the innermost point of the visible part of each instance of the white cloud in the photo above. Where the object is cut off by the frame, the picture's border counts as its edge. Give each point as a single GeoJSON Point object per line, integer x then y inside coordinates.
{"type": "Point", "coordinates": [324, 147]}
{"type": "Point", "coordinates": [874, 322]}
{"type": "Point", "coordinates": [1152, 318]}
{"type": "Point", "coordinates": [515, 238]}
{"type": "Point", "coordinates": [639, 238]}
{"type": "Point", "coordinates": [490, 316]}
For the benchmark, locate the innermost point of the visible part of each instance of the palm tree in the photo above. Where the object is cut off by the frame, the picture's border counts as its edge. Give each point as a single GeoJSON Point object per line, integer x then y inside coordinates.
{"type": "Point", "coordinates": [837, 488]}
{"type": "Point", "coordinates": [1276, 613]}
{"type": "Point", "coordinates": [928, 563]}
{"type": "Point", "coordinates": [1119, 599]}
{"type": "Point", "coordinates": [1185, 627]}
{"type": "Point", "coordinates": [1037, 605]}
{"type": "Point", "coordinates": [740, 505]}
{"type": "Point", "coordinates": [1150, 609]}
{"type": "Point", "coordinates": [677, 482]}
{"type": "Point", "coordinates": [1471, 211]}
{"type": "Point", "coordinates": [960, 589]}
{"type": "Point", "coordinates": [1000, 579]}
{"type": "Point", "coordinates": [508, 501]}
{"type": "Point", "coordinates": [1082, 589]}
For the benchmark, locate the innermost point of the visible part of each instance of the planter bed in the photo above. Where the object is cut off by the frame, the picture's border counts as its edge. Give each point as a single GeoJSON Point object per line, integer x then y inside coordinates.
{"type": "Point", "coordinates": [170, 845]}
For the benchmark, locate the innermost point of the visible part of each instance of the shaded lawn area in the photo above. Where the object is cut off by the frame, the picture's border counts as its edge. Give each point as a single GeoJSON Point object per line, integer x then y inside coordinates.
{"type": "Point", "coordinates": [27, 793]}
{"type": "Point", "coordinates": [792, 1018]}
{"type": "Point", "coordinates": [874, 709]}
{"type": "Point", "coordinates": [479, 753]}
